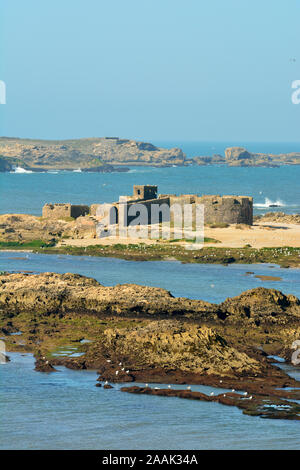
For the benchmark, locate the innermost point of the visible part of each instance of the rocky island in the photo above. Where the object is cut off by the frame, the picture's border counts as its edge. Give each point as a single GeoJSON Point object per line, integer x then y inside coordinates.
{"type": "Point", "coordinates": [93, 154]}
{"type": "Point", "coordinates": [240, 156]}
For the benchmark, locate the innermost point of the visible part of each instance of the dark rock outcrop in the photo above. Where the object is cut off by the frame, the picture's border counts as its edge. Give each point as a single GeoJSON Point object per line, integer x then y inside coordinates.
{"type": "Point", "coordinates": [261, 405]}
{"type": "Point", "coordinates": [43, 365]}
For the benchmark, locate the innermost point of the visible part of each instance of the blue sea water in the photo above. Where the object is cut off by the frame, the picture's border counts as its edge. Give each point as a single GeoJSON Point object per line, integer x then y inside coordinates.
{"type": "Point", "coordinates": [213, 283]}
{"type": "Point", "coordinates": [65, 410]}
{"type": "Point", "coordinates": [28, 192]}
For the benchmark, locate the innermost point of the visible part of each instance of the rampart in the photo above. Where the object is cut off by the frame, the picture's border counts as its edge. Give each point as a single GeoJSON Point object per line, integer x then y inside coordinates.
{"type": "Point", "coordinates": [60, 211]}
{"type": "Point", "coordinates": [217, 209]}
{"type": "Point", "coordinates": [227, 209]}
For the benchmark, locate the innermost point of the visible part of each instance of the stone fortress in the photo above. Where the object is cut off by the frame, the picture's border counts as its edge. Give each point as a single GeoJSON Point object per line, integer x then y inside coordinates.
{"type": "Point", "coordinates": [217, 209]}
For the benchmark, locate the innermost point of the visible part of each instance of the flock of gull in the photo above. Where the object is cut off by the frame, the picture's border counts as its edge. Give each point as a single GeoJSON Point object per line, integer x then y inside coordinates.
{"type": "Point", "coordinates": [169, 386]}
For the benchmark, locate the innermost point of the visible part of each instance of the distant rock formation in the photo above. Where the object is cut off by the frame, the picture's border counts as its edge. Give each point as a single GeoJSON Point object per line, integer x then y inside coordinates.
{"type": "Point", "coordinates": [216, 159]}
{"type": "Point", "coordinates": [94, 154]}
{"type": "Point", "coordinates": [239, 156]}
{"type": "Point", "coordinates": [103, 153]}
{"type": "Point", "coordinates": [5, 165]}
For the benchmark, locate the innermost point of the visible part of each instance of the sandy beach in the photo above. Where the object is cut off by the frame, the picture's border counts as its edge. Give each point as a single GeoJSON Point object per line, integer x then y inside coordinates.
{"type": "Point", "coordinates": [259, 235]}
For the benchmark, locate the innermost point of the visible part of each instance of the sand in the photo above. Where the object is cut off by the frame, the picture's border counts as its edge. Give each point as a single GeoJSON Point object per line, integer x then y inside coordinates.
{"type": "Point", "coordinates": [259, 235]}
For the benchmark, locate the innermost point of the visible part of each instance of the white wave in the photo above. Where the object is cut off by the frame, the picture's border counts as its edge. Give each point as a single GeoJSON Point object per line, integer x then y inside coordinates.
{"type": "Point", "coordinates": [19, 169]}
{"type": "Point", "coordinates": [269, 203]}
{"type": "Point", "coordinates": [77, 171]}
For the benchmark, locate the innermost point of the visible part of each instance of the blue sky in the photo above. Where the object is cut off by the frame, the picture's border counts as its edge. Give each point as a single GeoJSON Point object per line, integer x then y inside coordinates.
{"type": "Point", "coordinates": [151, 70]}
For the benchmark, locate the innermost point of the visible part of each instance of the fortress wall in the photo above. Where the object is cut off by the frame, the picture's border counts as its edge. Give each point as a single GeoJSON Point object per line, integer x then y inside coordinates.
{"type": "Point", "coordinates": [217, 209]}
{"type": "Point", "coordinates": [56, 211]}
{"type": "Point", "coordinates": [227, 209]}
{"type": "Point", "coordinates": [59, 211]}
{"type": "Point", "coordinates": [99, 211]}
{"type": "Point", "coordinates": [149, 204]}
{"type": "Point", "coordinates": [79, 210]}
{"type": "Point", "coordinates": [183, 199]}
{"type": "Point", "coordinates": [105, 210]}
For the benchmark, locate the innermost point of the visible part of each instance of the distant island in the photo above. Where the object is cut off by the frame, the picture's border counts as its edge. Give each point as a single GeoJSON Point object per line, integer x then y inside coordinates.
{"type": "Point", "coordinates": [109, 154]}
{"type": "Point", "coordinates": [93, 154]}
{"type": "Point", "coordinates": [239, 156]}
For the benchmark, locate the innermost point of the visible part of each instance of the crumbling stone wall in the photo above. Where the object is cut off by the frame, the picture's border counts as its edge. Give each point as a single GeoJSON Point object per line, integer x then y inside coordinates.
{"type": "Point", "coordinates": [79, 210]}
{"type": "Point", "coordinates": [60, 211]}
{"type": "Point", "coordinates": [227, 209]}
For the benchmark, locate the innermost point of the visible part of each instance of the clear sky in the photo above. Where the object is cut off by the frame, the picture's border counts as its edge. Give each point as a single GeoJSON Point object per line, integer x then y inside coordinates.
{"type": "Point", "coordinates": [150, 69]}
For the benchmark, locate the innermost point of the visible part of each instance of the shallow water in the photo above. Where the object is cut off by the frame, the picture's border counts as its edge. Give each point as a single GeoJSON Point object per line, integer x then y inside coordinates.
{"type": "Point", "coordinates": [65, 410]}
{"type": "Point", "coordinates": [208, 282]}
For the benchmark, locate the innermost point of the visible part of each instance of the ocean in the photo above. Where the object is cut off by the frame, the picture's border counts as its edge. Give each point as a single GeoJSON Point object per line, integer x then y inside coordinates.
{"type": "Point", "coordinates": [65, 410]}
{"type": "Point", "coordinates": [28, 192]}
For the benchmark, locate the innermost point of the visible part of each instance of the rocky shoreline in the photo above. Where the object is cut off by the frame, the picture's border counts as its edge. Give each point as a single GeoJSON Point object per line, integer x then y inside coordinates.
{"type": "Point", "coordinates": [132, 333]}
{"type": "Point", "coordinates": [259, 405]}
